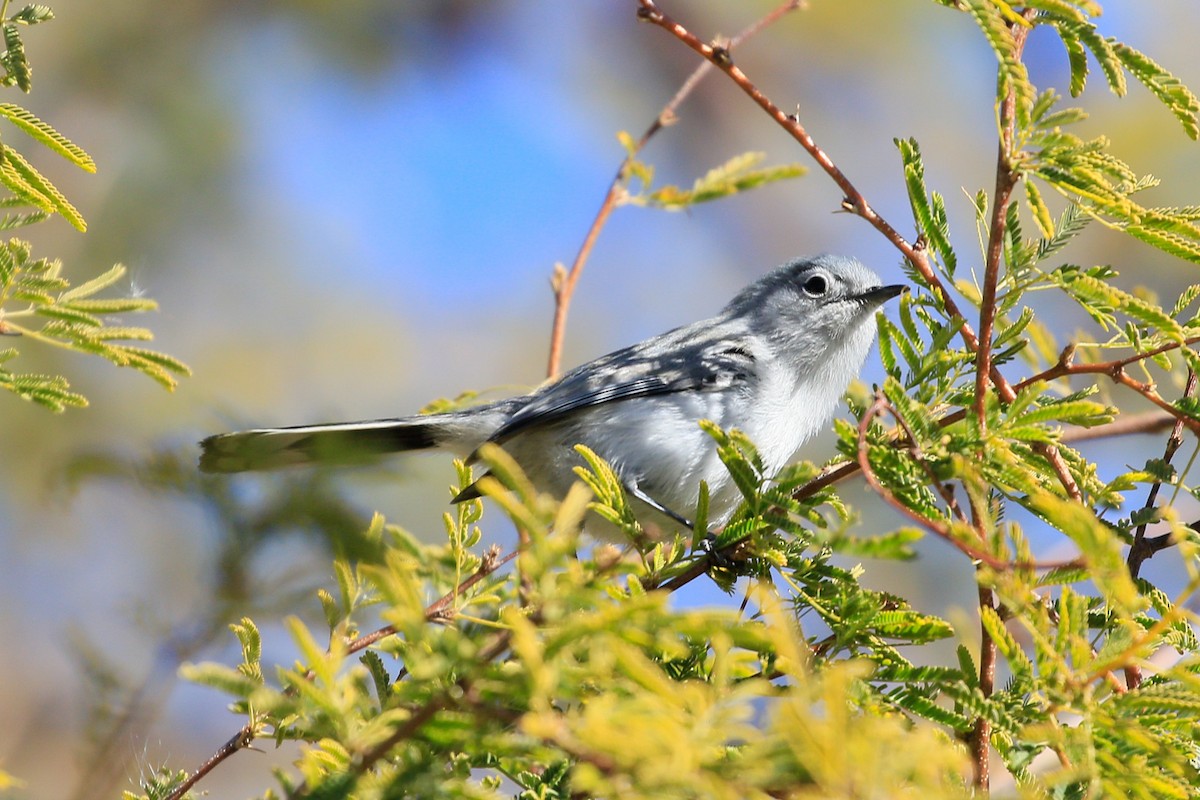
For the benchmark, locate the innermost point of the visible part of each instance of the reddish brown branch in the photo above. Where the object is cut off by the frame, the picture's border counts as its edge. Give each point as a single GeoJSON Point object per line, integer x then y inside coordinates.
{"type": "Point", "coordinates": [1006, 181]}
{"type": "Point", "coordinates": [1115, 370]}
{"type": "Point", "coordinates": [565, 280]}
{"type": "Point", "coordinates": [239, 741]}
{"type": "Point", "coordinates": [979, 740]}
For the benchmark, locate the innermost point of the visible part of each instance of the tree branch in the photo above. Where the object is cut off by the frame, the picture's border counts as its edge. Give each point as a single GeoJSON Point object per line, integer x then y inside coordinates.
{"type": "Point", "coordinates": [1006, 181]}
{"type": "Point", "coordinates": [564, 281]}
{"type": "Point", "coordinates": [979, 740]}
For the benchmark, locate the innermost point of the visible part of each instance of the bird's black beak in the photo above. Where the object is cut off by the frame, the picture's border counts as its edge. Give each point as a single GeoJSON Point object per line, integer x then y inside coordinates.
{"type": "Point", "coordinates": [881, 294]}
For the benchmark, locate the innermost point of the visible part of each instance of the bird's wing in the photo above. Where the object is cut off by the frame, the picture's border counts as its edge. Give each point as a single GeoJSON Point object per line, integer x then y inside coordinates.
{"type": "Point", "coordinates": [704, 363]}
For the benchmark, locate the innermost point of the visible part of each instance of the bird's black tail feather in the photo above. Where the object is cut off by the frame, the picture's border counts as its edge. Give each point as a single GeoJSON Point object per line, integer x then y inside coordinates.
{"type": "Point", "coordinates": [269, 448]}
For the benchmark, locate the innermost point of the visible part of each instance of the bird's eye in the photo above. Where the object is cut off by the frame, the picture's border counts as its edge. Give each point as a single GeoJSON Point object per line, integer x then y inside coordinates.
{"type": "Point", "coordinates": [816, 286]}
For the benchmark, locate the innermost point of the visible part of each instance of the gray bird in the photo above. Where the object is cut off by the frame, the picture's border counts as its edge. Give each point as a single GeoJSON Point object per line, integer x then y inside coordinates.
{"type": "Point", "coordinates": [774, 364]}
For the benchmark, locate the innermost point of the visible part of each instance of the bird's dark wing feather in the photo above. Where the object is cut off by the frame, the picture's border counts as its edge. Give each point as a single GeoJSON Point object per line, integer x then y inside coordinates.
{"type": "Point", "coordinates": [712, 364]}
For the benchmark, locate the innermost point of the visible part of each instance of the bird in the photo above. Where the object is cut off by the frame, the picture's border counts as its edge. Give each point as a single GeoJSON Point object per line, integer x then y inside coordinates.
{"type": "Point", "coordinates": [773, 363]}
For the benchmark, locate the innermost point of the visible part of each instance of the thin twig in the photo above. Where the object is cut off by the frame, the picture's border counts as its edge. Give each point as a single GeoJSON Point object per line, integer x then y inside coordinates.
{"type": "Point", "coordinates": [1143, 548]}
{"type": "Point", "coordinates": [1115, 370]}
{"type": "Point", "coordinates": [564, 281]}
{"type": "Point", "coordinates": [1139, 552]}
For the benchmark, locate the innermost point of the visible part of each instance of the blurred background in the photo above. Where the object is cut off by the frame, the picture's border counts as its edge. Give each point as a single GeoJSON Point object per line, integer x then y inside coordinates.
{"type": "Point", "coordinates": [347, 210]}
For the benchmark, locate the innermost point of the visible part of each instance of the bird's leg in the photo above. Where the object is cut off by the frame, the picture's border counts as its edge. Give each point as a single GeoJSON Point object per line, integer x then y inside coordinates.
{"type": "Point", "coordinates": [707, 545]}
{"type": "Point", "coordinates": [633, 491]}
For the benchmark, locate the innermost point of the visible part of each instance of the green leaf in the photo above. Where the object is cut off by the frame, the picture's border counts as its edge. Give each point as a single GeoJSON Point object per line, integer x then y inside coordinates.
{"type": "Point", "coordinates": [911, 626]}
{"type": "Point", "coordinates": [929, 214]}
{"type": "Point", "coordinates": [898, 340]}
{"type": "Point", "coordinates": [50, 391]}
{"type": "Point", "coordinates": [1169, 698]}
{"type": "Point", "coordinates": [1167, 241]}
{"type": "Point", "coordinates": [111, 305]}
{"type": "Point", "coordinates": [734, 176]}
{"type": "Point", "coordinates": [70, 315]}
{"type": "Point", "coordinates": [1063, 575]}
{"type": "Point", "coordinates": [1039, 210]}
{"type": "Point", "coordinates": [1099, 298]}
{"type": "Point", "coordinates": [896, 544]}
{"type": "Point", "coordinates": [43, 188]}
{"type": "Point", "coordinates": [1070, 224]}
{"type": "Point", "coordinates": [96, 284]}
{"type": "Point", "coordinates": [1013, 76]}
{"type": "Point", "coordinates": [126, 333]}
{"type": "Point", "coordinates": [914, 701]}
{"type": "Point", "coordinates": [1101, 48]}
{"type": "Point", "coordinates": [16, 183]}
{"type": "Point", "coordinates": [610, 500]}
{"type": "Point", "coordinates": [1084, 413]}
{"type": "Point", "coordinates": [1185, 640]}
{"type": "Point", "coordinates": [42, 132]}
{"type": "Point", "coordinates": [1006, 644]}
{"type": "Point", "coordinates": [1099, 545]}
{"type": "Point", "coordinates": [14, 60]}
{"type": "Point", "coordinates": [1076, 58]}
{"type": "Point", "coordinates": [220, 677]}
{"type": "Point", "coordinates": [11, 221]}
{"type": "Point", "coordinates": [379, 675]}
{"type": "Point", "coordinates": [1165, 86]}
{"type": "Point", "coordinates": [33, 14]}
{"type": "Point", "coordinates": [160, 367]}
{"type": "Point", "coordinates": [251, 642]}
{"type": "Point", "coordinates": [1186, 298]}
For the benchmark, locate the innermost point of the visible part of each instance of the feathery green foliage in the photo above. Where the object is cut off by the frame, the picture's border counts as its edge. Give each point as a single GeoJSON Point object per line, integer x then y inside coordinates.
{"type": "Point", "coordinates": [738, 174]}
{"type": "Point", "coordinates": [574, 684]}
{"type": "Point", "coordinates": [36, 300]}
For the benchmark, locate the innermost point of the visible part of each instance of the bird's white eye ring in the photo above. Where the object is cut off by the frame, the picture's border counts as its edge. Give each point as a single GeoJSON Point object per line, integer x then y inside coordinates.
{"type": "Point", "coordinates": [815, 286]}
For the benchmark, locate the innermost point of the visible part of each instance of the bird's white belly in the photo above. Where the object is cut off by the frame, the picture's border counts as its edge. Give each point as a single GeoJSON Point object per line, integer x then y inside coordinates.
{"type": "Point", "coordinates": [655, 443]}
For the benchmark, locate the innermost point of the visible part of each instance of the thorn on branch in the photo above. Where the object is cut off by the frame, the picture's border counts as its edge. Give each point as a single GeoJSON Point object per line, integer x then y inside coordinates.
{"type": "Point", "coordinates": [721, 56]}
{"type": "Point", "coordinates": [1067, 355]}
{"type": "Point", "coordinates": [558, 278]}
{"type": "Point", "coordinates": [442, 616]}
{"type": "Point", "coordinates": [920, 244]}
{"type": "Point", "coordinates": [648, 13]}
